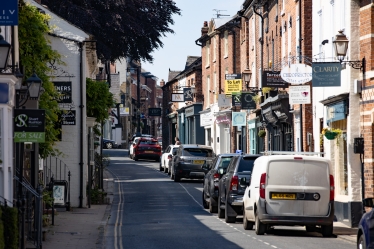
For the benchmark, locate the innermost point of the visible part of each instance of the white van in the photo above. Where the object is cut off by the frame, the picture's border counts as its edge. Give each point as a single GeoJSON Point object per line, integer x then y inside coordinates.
{"type": "Point", "coordinates": [290, 190]}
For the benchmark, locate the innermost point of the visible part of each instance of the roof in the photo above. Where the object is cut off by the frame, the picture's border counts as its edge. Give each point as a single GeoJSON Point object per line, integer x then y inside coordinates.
{"type": "Point", "coordinates": [173, 74]}
{"type": "Point", "coordinates": [191, 60]}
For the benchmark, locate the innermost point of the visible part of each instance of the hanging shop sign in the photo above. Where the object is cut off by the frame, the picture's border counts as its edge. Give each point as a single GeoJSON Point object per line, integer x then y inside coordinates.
{"type": "Point", "coordinates": [326, 74]}
{"type": "Point", "coordinates": [68, 117]}
{"type": "Point", "coordinates": [64, 89]}
{"type": "Point", "coordinates": [29, 125]}
{"type": "Point", "coordinates": [299, 95]}
{"type": "Point", "coordinates": [9, 13]}
{"type": "Point", "coordinates": [224, 100]}
{"type": "Point", "coordinates": [206, 119]}
{"type": "Point", "coordinates": [154, 111]}
{"type": "Point", "coordinates": [273, 79]}
{"type": "Point", "coordinates": [236, 99]}
{"type": "Point", "coordinates": [296, 74]}
{"type": "Point", "coordinates": [247, 101]}
{"type": "Point", "coordinates": [4, 93]}
{"type": "Point", "coordinates": [233, 83]}
{"type": "Point", "coordinates": [187, 94]}
{"type": "Point", "coordinates": [238, 119]}
{"type": "Point", "coordinates": [177, 97]}
{"type": "Point", "coordinates": [190, 111]}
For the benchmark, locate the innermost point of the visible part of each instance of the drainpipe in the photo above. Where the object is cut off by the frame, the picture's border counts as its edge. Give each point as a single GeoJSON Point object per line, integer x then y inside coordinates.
{"type": "Point", "coordinates": [81, 106]}
{"type": "Point", "coordinates": [300, 106]}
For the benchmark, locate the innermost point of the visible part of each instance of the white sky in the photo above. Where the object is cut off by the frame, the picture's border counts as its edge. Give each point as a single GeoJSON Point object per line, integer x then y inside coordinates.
{"type": "Point", "coordinates": [187, 28]}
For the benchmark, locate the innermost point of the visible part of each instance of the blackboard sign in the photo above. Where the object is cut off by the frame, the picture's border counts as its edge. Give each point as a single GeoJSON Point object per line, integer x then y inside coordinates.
{"type": "Point", "coordinates": [154, 111]}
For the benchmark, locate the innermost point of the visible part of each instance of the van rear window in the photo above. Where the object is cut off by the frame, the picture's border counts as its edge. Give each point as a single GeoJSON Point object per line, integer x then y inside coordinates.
{"type": "Point", "coordinates": [246, 164]}
{"type": "Point", "coordinates": [198, 152]}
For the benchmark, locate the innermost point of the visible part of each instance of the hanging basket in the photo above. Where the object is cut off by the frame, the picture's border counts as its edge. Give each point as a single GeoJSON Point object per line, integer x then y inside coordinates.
{"type": "Point", "coordinates": [330, 135]}
{"type": "Point", "coordinates": [261, 133]}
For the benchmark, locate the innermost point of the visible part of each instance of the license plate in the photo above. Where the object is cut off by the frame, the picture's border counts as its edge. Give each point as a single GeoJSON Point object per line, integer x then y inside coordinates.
{"type": "Point", "coordinates": [198, 161]}
{"type": "Point", "coordinates": [283, 196]}
{"type": "Point", "coordinates": [148, 151]}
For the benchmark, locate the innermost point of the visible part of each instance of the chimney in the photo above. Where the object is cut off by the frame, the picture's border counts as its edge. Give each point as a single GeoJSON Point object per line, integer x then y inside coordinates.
{"type": "Point", "coordinates": [204, 29]}
{"type": "Point", "coordinates": [162, 82]}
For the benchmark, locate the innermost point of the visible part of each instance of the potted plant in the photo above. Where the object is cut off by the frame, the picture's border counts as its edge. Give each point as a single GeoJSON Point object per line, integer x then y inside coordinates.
{"type": "Point", "coordinates": [261, 133]}
{"type": "Point", "coordinates": [331, 133]}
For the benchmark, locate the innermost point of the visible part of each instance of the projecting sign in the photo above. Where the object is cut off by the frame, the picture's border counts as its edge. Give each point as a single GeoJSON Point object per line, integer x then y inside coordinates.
{"type": "Point", "coordinates": [233, 83]}
{"type": "Point", "coordinates": [247, 101]}
{"type": "Point", "coordinates": [177, 97]}
{"type": "Point", "coordinates": [9, 13]}
{"type": "Point", "coordinates": [273, 79]}
{"type": "Point", "coordinates": [224, 100]}
{"type": "Point", "coordinates": [67, 117]}
{"type": "Point", "coordinates": [326, 74]}
{"type": "Point", "coordinates": [299, 95]}
{"type": "Point", "coordinates": [187, 94]}
{"type": "Point", "coordinates": [154, 111]}
{"type": "Point", "coordinates": [64, 89]}
{"type": "Point", "coordinates": [297, 74]}
{"type": "Point", "coordinates": [236, 99]}
{"type": "Point", "coordinates": [29, 125]}
{"type": "Point", "coordinates": [238, 118]}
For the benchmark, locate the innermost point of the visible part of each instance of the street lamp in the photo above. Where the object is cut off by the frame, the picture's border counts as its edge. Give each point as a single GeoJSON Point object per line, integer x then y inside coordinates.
{"type": "Point", "coordinates": [4, 50]}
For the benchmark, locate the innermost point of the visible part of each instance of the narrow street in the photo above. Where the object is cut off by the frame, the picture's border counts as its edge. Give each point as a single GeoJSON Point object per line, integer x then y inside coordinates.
{"type": "Point", "coordinates": [151, 211]}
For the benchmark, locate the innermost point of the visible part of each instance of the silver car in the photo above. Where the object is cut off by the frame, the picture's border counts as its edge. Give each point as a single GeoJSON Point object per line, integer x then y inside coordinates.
{"type": "Point", "coordinates": [189, 161]}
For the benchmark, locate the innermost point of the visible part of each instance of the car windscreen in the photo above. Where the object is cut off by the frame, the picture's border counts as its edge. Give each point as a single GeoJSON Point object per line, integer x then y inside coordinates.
{"type": "Point", "coordinates": [225, 161]}
{"type": "Point", "coordinates": [246, 164]}
{"type": "Point", "coordinates": [197, 152]}
{"type": "Point", "coordinates": [175, 149]}
{"type": "Point", "coordinates": [148, 142]}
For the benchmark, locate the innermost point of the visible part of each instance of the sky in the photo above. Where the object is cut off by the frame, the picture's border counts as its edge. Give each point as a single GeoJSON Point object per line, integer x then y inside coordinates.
{"type": "Point", "coordinates": [187, 28]}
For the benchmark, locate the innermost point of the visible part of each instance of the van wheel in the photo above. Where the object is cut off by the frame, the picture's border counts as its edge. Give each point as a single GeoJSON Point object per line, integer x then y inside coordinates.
{"type": "Point", "coordinates": [229, 219]}
{"type": "Point", "coordinates": [247, 225]}
{"type": "Point", "coordinates": [259, 226]}
{"type": "Point", "coordinates": [327, 230]}
{"type": "Point", "coordinates": [213, 208]}
{"type": "Point", "coordinates": [361, 242]}
{"type": "Point", "coordinates": [205, 204]}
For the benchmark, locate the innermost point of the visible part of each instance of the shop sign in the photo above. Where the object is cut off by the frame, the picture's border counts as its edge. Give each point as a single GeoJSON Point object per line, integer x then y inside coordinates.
{"type": "Point", "coordinates": [64, 89]}
{"type": "Point", "coordinates": [247, 101]}
{"type": "Point", "coordinates": [29, 125]}
{"type": "Point", "coordinates": [273, 79]}
{"type": "Point", "coordinates": [9, 13]}
{"type": "Point", "coordinates": [68, 117]}
{"type": "Point", "coordinates": [206, 119]}
{"type": "Point", "coordinates": [177, 97]}
{"type": "Point", "coordinates": [187, 94]}
{"type": "Point", "coordinates": [238, 119]}
{"type": "Point", "coordinates": [224, 100]}
{"type": "Point", "coordinates": [299, 95]}
{"type": "Point", "coordinates": [326, 74]}
{"type": "Point", "coordinates": [189, 111]}
{"type": "Point", "coordinates": [154, 111]}
{"type": "Point", "coordinates": [233, 83]}
{"type": "Point", "coordinates": [4, 93]}
{"type": "Point", "coordinates": [296, 74]}
{"type": "Point", "coordinates": [223, 120]}
{"type": "Point", "coordinates": [236, 99]}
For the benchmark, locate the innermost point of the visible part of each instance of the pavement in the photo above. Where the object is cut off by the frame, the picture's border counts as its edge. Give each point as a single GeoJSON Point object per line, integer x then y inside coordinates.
{"type": "Point", "coordinates": [85, 227]}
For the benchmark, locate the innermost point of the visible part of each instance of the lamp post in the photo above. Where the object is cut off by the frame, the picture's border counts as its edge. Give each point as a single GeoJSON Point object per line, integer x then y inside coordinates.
{"type": "Point", "coordinates": [341, 47]}
{"type": "Point", "coordinates": [4, 50]}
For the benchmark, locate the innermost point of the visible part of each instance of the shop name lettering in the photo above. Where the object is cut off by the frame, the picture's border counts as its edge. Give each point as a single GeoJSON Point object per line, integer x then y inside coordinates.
{"type": "Point", "coordinates": [35, 121]}
{"type": "Point", "coordinates": [68, 115]}
{"type": "Point", "coordinates": [317, 69]}
{"type": "Point", "coordinates": [4, 14]}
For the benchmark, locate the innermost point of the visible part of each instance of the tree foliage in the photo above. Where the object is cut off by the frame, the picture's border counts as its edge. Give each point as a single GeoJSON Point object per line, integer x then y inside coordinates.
{"type": "Point", "coordinates": [122, 28]}
{"type": "Point", "coordinates": [98, 100]}
{"type": "Point", "coordinates": [35, 52]}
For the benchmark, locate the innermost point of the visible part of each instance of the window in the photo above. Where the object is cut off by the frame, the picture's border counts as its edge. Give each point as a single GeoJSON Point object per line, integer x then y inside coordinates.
{"type": "Point", "coordinates": [208, 86]}
{"type": "Point", "coordinates": [207, 47]}
{"type": "Point", "coordinates": [246, 164]}
{"type": "Point", "coordinates": [215, 85]}
{"type": "Point", "coordinates": [197, 152]}
{"type": "Point", "coordinates": [226, 43]}
{"type": "Point", "coordinates": [214, 48]}
{"type": "Point", "coordinates": [225, 161]}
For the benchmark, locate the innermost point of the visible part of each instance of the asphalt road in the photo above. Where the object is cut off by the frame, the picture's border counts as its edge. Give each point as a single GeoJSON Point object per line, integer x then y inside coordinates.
{"type": "Point", "coordinates": [151, 211]}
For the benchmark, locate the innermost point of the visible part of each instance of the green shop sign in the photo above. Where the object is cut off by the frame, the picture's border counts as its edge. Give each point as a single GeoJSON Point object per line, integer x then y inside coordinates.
{"type": "Point", "coordinates": [29, 125]}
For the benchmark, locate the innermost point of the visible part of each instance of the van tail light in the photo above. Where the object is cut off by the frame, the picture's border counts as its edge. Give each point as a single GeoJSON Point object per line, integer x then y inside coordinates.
{"type": "Point", "coordinates": [170, 157]}
{"type": "Point", "coordinates": [234, 183]}
{"type": "Point", "coordinates": [332, 188]}
{"type": "Point", "coordinates": [262, 185]}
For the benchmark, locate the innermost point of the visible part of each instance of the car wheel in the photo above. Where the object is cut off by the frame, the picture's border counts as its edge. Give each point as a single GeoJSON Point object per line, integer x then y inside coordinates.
{"type": "Point", "coordinates": [229, 219]}
{"type": "Point", "coordinates": [135, 158]}
{"type": "Point", "coordinates": [310, 229]}
{"type": "Point", "coordinates": [165, 169]}
{"type": "Point", "coordinates": [247, 225]}
{"type": "Point", "coordinates": [177, 178]}
{"type": "Point", "coordinates": [205, 203]}
{"type": "Point", "coordinates": [213, 208]}
{"type": "Point", "coordinates": [160, 167]}
{"type": "Point", "coordinates": [259, 226]}
{"type": "Point", "coordinates": [108, 145]}
{"type": "Point", "coordinates": [361, 242]}
{"type": "Point", "coordinates": [171, 176]}
{"type": "Point", "coordinates": [221, 212]}
{"type": "Point", "coordinates": [157, 160]}
{"type": "Point", "coordinates": [327, 230]}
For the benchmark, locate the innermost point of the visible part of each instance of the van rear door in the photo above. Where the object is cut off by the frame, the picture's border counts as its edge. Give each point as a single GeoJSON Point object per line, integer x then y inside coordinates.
{"type": "Point", "coordinates": [285, 179]}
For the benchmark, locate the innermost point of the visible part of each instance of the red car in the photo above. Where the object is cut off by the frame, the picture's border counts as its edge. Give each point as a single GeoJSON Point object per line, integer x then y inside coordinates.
{"type": "Point", "coordinates": [147, 148]}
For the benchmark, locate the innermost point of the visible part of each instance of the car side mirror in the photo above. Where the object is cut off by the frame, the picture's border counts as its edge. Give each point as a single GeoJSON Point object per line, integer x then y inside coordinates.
{"type": "Point", "coordinates": [368, 202]}
{"type": "Point", "coordinates": [205, 167]}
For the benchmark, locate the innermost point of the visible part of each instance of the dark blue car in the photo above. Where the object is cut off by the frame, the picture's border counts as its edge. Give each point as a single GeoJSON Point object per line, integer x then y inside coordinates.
{"type": "Point", "coordinates": [365, 234]}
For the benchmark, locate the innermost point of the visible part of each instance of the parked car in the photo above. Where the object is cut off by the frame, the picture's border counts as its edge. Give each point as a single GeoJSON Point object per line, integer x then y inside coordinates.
{"type": "Point", "coordinates": [159, 139]}
{"type": "Point", "coordinates": [189, 159]}
{"type": "Point", "coordinates": [290, 190]}
{"type": "Point", "coordinates": [109, 143]}
{"type": "Point", "coordinates": [232, 186]}
{"type": "Point", "coordinates": [365, 232]}
{"type": "Point", "coordinates": [132, 145]}
{"type": "Point", "coordinates": [166, 157]}
{"type": "Point", "coordinates": [211, 180]}
{"type": "Point", "coordinates": [147, 148]}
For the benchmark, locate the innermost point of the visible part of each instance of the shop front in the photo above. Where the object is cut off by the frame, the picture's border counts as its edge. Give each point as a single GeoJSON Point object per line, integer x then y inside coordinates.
{"type": "Point", "coordinates": [223, 128]}
{"type": "Point", "coordinates": [193, 132]}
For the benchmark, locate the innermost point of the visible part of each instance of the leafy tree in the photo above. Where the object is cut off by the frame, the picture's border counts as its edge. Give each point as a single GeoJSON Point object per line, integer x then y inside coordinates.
{"type": "Point", "coordinates": [35, 52]}
{"type": "Point", "coordinates": [98, 100]}
{"type": "Point", "coordinates": [122, 28]}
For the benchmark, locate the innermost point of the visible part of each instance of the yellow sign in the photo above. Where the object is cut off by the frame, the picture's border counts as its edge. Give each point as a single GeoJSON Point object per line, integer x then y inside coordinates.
{"type": "Point", "coordinates": [233, 86]}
